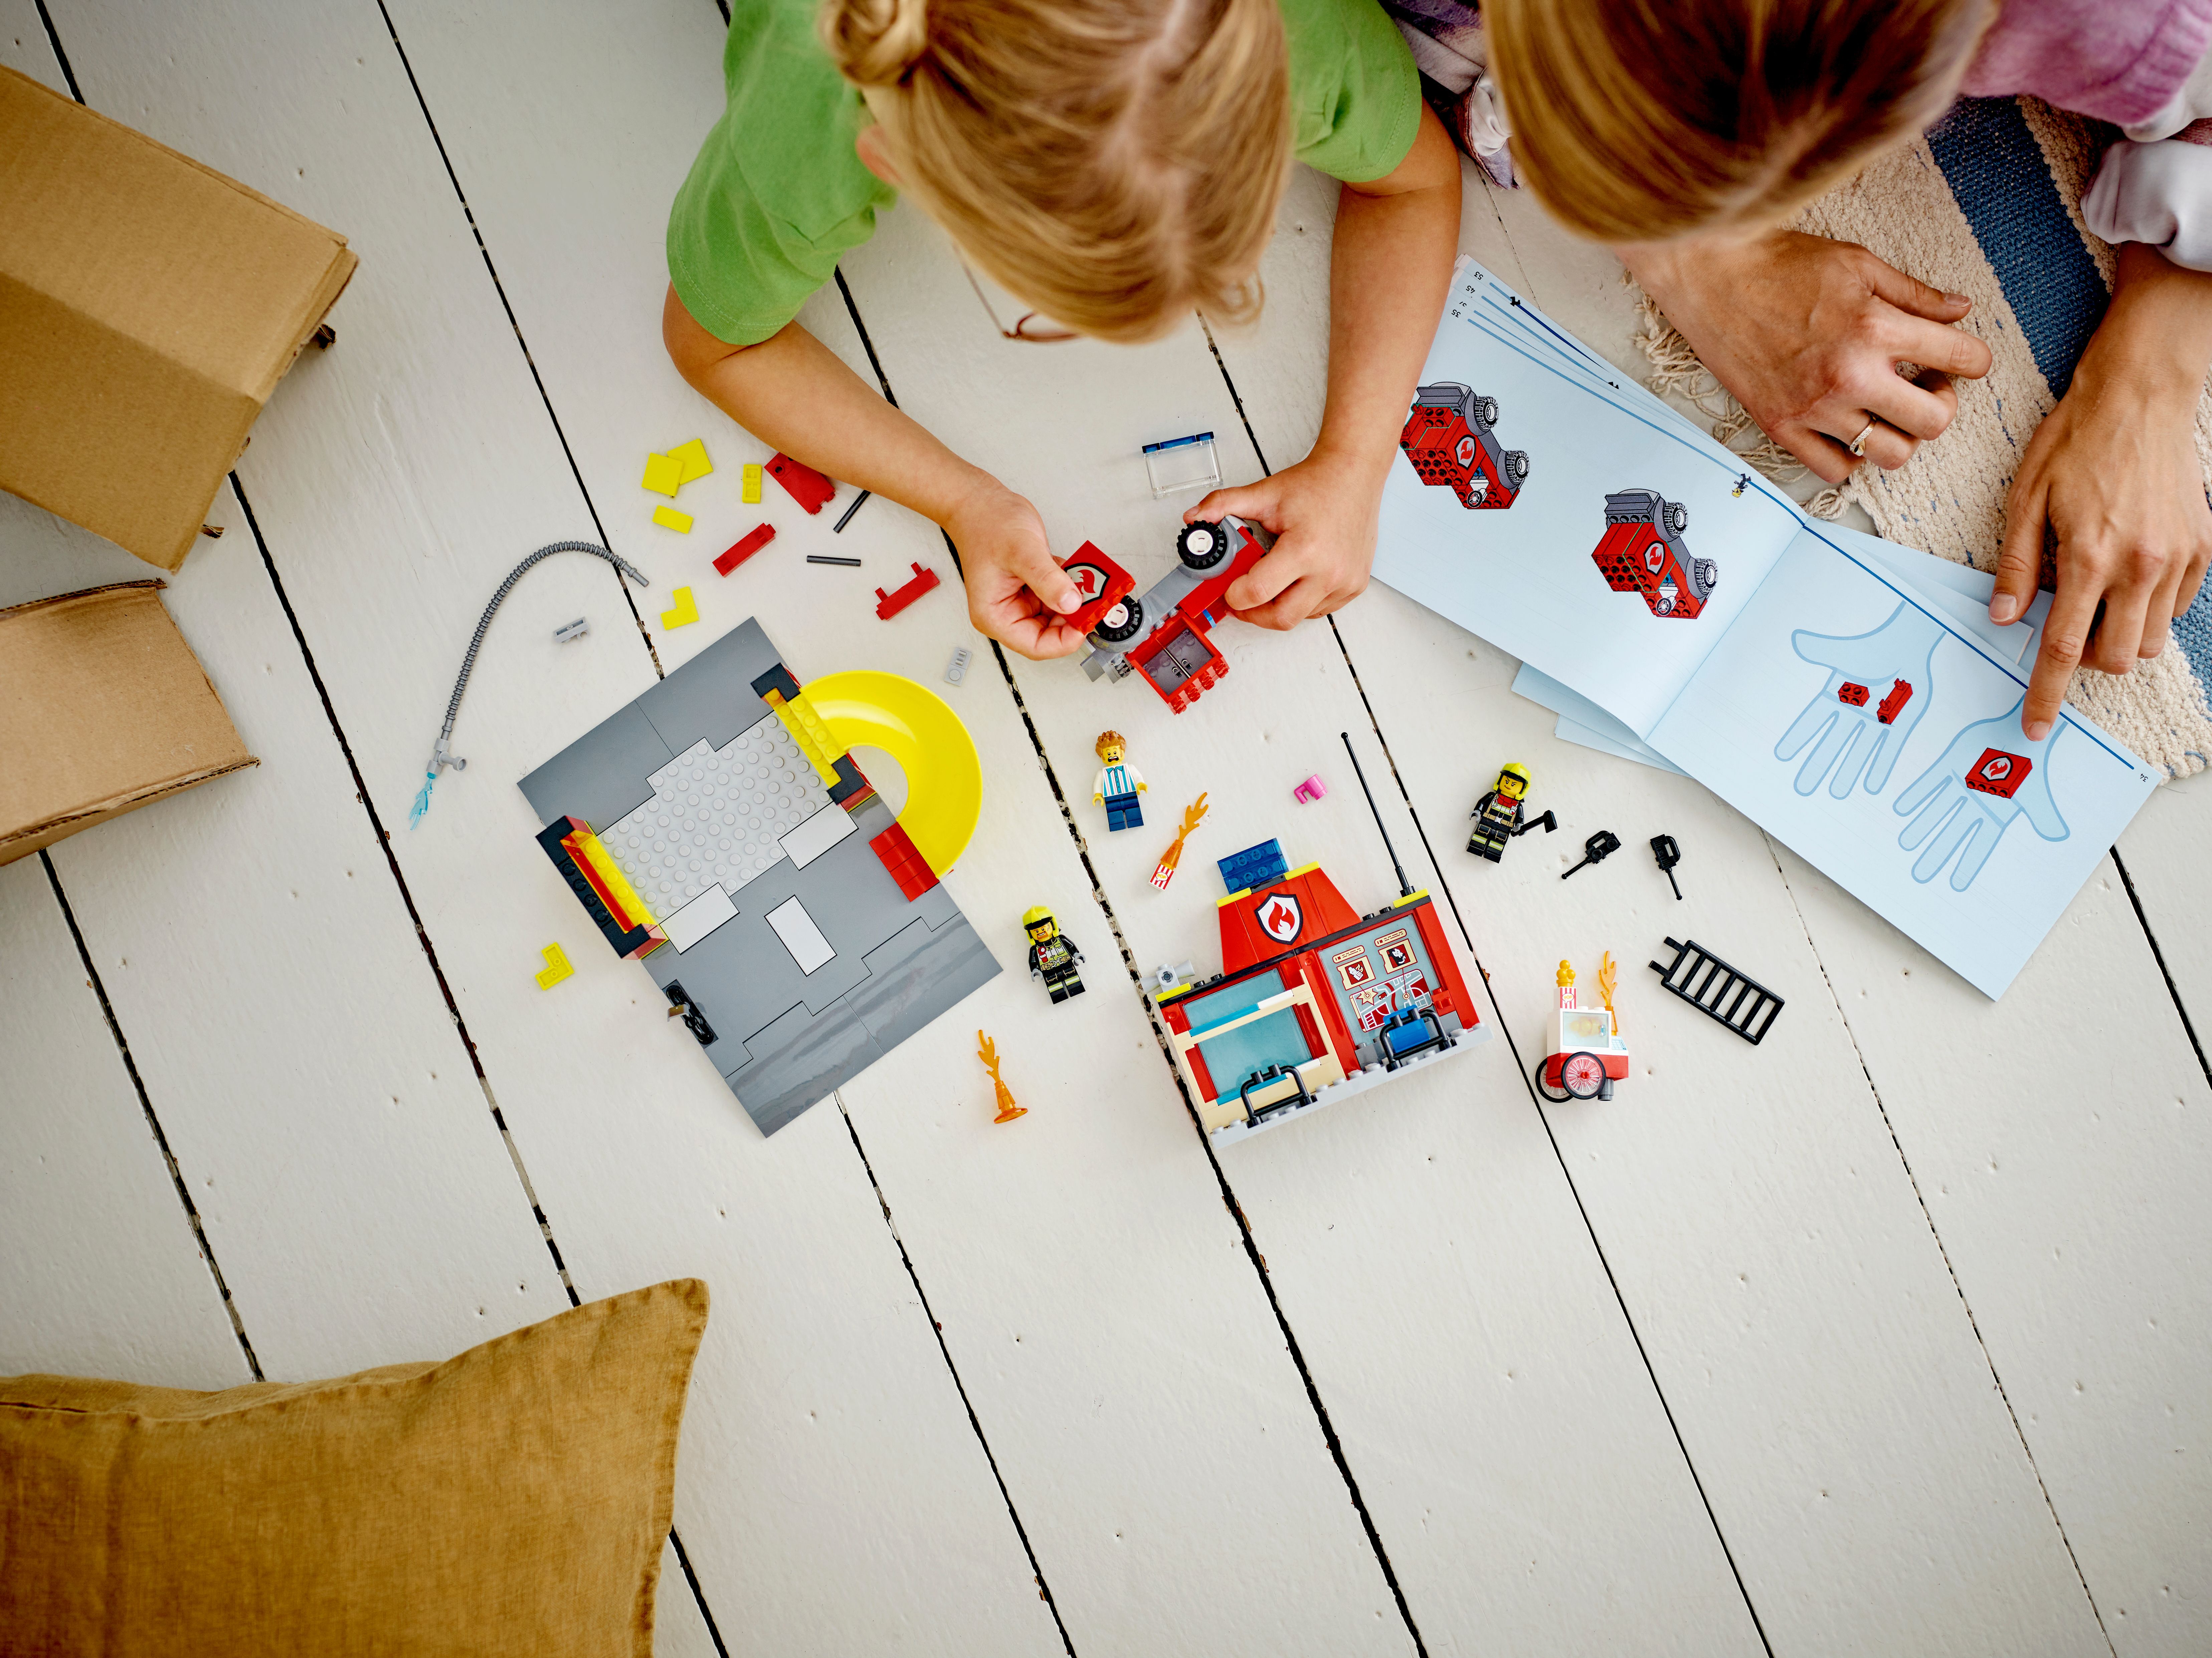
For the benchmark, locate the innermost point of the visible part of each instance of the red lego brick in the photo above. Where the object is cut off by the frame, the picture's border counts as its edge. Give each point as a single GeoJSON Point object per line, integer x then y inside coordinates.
{"type": "Point", "coordinates": [1998, 772]}
{"type": "Point", "coordinates": [1855, 694]}
{"type": "Point", "coordinates": [906, 864]}
{"type": "Point", "coordinates": [1103, 583]}
{"type": "Point", "coordinates": [752, 542]}
{"type": "Point", "coordinates": [1899, 694]}
{"type": "Point", "coordinates": [890, 604]}
{"type": "Point", "coordinates": [806, 486]}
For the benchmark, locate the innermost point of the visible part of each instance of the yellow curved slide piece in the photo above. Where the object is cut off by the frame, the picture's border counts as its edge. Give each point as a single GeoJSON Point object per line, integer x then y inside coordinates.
{"type": "Point", "coordinates": [915, 726]}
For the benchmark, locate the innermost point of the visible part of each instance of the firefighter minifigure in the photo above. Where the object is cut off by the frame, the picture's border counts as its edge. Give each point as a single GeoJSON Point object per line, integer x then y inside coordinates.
{"type": "Point", "coordinates": [1497, 815]}
{"type": "Point", "coordinates": [1052, 955]}
{"type": "Point", "coordinates": [1118, 786]}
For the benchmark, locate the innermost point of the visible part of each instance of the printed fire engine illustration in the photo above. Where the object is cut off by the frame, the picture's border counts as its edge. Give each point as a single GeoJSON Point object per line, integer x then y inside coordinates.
{"type": "Point", "coordinates": [1642, 553]}
{"type": "Point", "coordinates": [1314, 1001]}
{"type": "Point", "coordinates": [1451, 437]}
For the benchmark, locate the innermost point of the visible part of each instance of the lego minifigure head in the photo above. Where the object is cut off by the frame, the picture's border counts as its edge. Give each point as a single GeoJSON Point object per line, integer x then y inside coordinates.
{"type": "Point", "coordinates": [1038, 922]}
{"type": "Point", "coordinates": [1512, 781]}
{"type": "Point", "coordinates": [1111, 747]}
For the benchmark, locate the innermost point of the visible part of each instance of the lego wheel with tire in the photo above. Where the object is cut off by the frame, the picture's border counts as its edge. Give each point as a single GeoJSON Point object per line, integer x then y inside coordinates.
{"type": "Point", "coordinates": [1201, 546]}
{"type": "Point", "coordinates": [1120, 623]}
{"type": "Point", "coordinates": [1709, 574]}
{"type": "Point", "coordinates": [1677, 517]}
{"type": "Point", "coordinates": [1487, 408]}
{"type": "Point", "coordinates": [1550, 1090]}
{"type": "Point", "coordinates": [1582, 1075]}
{"type": "Point", "coordinates": [1517, 467]}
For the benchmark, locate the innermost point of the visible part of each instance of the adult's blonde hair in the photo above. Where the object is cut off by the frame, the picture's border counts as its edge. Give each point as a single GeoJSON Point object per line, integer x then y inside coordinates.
{"type": "Point", "coordinates": [1114, 163]}
{"type": "Point", "coordinates": [1642, 120]}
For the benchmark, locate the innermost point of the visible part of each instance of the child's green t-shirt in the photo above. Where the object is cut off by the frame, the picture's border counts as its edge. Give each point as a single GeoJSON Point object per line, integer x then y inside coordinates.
{"type": "Point", "coordinates": [777, 193]}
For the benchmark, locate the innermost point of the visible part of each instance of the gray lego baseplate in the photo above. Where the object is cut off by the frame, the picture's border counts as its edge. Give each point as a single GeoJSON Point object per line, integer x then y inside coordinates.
{"type": "Point", "coordinates": [712, 813]}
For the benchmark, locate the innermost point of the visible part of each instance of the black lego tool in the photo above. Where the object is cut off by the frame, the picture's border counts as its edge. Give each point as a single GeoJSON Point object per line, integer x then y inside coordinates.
{"type": "Point", "coordinates": [1718, 991]}
{"type": "Point", "coordinates": [1669, 854]}
{"type": "Point", "coordinates": [686, 1009]}
{"type": "Point", "coordinates": [1595, 850]}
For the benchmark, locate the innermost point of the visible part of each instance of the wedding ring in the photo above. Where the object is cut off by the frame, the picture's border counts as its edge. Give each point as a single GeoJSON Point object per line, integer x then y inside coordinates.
{"type": "Point", "coordinates": [1858, 443]}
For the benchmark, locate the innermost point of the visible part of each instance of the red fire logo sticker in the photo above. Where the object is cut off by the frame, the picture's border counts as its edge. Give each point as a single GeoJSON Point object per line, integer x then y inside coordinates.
{"type": "Point", "coordinates": [1998, 772]}
{"type": "Point", "coordinates": [1279, 917]}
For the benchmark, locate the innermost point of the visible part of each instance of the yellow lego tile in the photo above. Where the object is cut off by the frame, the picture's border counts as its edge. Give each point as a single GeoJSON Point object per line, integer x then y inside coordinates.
{"type": "Point", "coordinates": [683, 612]}
{"type": "Point", "coordinates": [556, 967]}
{"type": "Point", "coordinates": [664, 474]}
{"type": "Point", "coordinates": [669, 519]}
{"type": "Point", "coordinates": [691, 458]}
{"type": "Point", "coordinates": [752, 483]}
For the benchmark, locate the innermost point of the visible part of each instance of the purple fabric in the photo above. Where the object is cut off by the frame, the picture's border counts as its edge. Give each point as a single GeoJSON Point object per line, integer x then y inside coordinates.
{"type": "Point", "coordinates": [2120, 61]}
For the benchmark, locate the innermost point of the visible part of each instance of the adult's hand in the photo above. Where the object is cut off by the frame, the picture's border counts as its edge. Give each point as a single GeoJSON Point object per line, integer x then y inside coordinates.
{"type": "Point", "coordinates": [1016, 593]}
{"type": "Point", "coordinates": [2113, 474]}
{"type": "Point", "coordinates": [1808, 334]}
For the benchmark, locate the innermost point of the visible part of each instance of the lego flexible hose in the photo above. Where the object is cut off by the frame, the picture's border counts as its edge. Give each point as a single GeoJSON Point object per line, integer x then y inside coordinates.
{"type": "Point", "coordinates": [442, 755]}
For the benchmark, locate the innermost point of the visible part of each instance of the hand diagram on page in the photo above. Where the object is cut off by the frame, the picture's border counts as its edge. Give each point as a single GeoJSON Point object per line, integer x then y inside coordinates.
{"type": "Point", "coordinates": [1970, 796]}
{"type": "Point", "coordinates": [1878, 687]}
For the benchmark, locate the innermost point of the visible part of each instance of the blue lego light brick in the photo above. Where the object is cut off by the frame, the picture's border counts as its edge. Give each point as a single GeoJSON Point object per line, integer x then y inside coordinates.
{"type": "Point", "coordinates": [1255, 866]}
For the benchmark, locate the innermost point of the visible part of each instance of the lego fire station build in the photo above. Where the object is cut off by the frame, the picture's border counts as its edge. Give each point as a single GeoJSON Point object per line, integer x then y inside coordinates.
{"type": "Point", "coordinates": [1314, 1002]}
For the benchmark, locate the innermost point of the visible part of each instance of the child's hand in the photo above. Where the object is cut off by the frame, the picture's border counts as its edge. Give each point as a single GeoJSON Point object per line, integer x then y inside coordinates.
{"type": "Point", "coordinates": [1016, 593]}
{"type": "Point", "coordinates": [1321, 512]}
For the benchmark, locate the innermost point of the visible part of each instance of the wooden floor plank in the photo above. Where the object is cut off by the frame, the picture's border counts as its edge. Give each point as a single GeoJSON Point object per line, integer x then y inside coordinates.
{"type": "Point", "coordinates": [1410, 1311]}
{"type": "Point", "coordinates": [104, 1276]}
{"type": "Point", "coordinates": [831, 1491]}
{"type": "Point", "coordinates": [1753, 1210]}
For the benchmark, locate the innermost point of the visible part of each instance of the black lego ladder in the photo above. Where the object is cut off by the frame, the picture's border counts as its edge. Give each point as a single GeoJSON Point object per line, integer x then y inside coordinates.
{"type": "Point", "coordinates": [1713, 988]}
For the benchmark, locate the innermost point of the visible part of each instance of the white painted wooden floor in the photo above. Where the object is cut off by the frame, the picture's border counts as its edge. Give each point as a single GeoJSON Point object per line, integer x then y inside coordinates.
{"type": "Point", "coordinates": [1888, 1336]}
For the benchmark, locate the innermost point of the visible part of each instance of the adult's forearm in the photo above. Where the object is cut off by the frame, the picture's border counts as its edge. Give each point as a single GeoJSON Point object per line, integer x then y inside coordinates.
{"type": "Point", "coordinates": [2158, 330]}
{"type": "Point", "coordinates": [1390, 270]}
{"type": "Point", "coordinates": [793, 393]}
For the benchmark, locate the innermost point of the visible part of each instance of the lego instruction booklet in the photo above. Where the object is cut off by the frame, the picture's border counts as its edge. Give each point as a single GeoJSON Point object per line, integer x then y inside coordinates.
{"type": "Point", "coordinates": [1866, 715]}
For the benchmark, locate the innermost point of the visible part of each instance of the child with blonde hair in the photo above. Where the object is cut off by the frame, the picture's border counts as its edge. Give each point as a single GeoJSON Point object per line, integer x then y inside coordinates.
{"type": "Point", "coordinates": [1115, 164]}
{"type": "Point", "coordinates": [1686, 133]}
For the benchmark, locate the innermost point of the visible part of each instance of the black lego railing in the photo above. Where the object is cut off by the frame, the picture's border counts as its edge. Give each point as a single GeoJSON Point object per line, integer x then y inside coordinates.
{"type": "Point", "coordinates": [1718, 990]}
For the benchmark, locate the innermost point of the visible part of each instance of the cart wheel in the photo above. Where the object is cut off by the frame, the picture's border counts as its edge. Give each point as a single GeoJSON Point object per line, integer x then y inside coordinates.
{"type": "Point", "coordinates": [1122, 622]}
{"type": "Point", "coordinates": [1201, 546]}
{"type": "Point", "coordinates": [1517, 466]}
{"type": "Point", "coordinates": [1677, 517]}
{"type": "Point", "coordinates": [1709, 574]}
{"type": "Point", "coordinates": [1582, 1075]}
{"type": "Point", "coordinates": [1545, 1086]}
{"type": "Point", "coordinates": [1487, 408]}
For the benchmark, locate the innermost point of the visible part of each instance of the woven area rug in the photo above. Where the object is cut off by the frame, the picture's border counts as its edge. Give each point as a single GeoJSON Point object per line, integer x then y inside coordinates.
{"type": "Point", "coordinates": [1986, 205]}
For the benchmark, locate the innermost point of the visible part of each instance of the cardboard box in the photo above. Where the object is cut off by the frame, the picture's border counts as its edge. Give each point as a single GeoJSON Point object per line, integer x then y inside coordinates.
{"type": "Point", "coordinates": [103, 707]}
{"type": "Point", "coordinates": [147, 307]}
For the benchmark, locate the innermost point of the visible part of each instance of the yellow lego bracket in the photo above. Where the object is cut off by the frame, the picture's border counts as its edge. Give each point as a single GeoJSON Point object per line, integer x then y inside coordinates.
{"type": "Point", "coordinates": [669, 519]}
{"type": "Point", "coordinates": [752, 483]}
{"type": "Point", "coordinates": [691, 461]}
{"type": "Point", "coordinates": [684, 611]}
{"type": "Point", "coordinates": [556, 967]}
{"type": "Point", "coordinates": [664, 474]}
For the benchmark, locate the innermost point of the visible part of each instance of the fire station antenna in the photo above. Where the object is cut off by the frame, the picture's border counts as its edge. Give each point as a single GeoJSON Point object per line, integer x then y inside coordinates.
{"type": "Point", "coordinates": [1405, 887]}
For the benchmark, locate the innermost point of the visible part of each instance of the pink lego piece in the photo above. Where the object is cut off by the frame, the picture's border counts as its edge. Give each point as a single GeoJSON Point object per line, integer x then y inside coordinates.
{"type": "Point", "coordinates": [1309, 790]}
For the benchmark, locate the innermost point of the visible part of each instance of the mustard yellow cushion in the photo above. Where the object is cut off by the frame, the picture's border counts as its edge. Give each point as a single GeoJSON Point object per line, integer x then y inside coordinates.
{"type": "Point", "coordinates": [512, 1500]}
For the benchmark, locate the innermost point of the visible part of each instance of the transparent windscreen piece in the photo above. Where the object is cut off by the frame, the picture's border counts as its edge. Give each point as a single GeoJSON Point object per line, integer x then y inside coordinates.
{"type": "Point", "coordinates": [1182, 463]}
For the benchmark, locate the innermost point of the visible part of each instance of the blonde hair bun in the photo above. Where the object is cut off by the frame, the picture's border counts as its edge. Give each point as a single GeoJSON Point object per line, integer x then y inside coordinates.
{"type": "Point", "coordinates": [875, 42]}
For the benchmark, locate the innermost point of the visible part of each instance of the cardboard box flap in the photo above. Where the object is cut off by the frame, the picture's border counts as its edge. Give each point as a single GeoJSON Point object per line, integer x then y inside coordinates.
{"type": "Point", "coordinates": [103, 707]}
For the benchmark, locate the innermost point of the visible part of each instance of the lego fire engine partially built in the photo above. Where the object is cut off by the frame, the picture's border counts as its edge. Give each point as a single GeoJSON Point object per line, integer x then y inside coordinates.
{"type": "Point", "coordinates": [1172, 650]}
{"type": "Point", "coordinates": [1642, 553]}
{"type": "Point", "coordinates": [1314, 1002]}
{"type": "Point", "coordinates": [1451, 437]}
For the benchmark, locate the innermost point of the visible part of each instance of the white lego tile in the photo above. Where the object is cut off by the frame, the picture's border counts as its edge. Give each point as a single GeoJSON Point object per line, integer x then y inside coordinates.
{"type": "Point", "coordinates": [688, 925]}
{"type": "Point", "coordinates": [817, 835]}
{"type": "Point", "coordinates": [800, 935]}
{"type": "Point", "coordinates": [717, 816]}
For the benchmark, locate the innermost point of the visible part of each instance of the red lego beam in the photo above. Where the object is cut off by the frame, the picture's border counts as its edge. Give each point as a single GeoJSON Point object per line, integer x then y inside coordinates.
{"type": "Point", "coordinates": [805, 485]}
{"type": "Point", "coordinates": [890, 604]}
{"type": "Point", "coordinates": [751, 542]}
